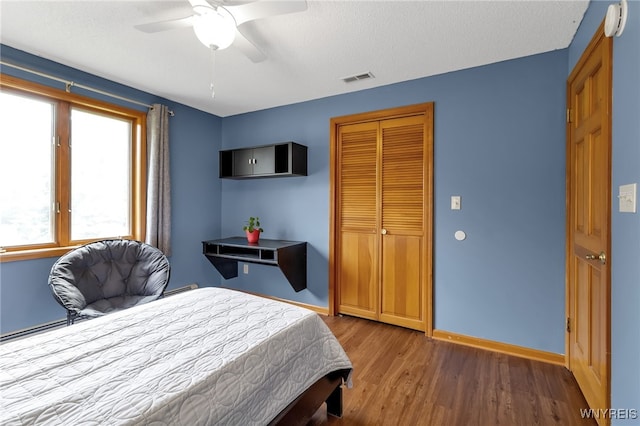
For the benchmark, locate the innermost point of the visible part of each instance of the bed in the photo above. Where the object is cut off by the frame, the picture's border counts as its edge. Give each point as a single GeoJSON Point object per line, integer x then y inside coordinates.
{"type": "Point", "coordinates": [203, 357]}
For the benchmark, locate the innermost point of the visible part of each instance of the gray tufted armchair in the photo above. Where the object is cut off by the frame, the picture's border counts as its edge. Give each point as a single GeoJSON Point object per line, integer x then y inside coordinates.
{"type": "Point", "coordinates": [107, 276]}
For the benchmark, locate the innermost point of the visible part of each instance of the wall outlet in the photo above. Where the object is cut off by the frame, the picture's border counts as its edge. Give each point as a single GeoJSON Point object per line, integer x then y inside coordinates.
{"type": "Point", "coordinates": [245, 268]}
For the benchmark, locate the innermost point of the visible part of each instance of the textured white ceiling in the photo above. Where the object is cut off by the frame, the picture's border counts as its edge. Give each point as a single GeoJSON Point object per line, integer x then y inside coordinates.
{"type": "Point", "coordinates": [308, 52]}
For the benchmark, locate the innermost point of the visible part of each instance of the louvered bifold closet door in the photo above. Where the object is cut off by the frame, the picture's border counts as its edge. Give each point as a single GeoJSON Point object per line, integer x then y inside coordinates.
{"type": "Point", "coordinates": [357, 220]}
{"type": "Point", "coordinates": [403, 183]}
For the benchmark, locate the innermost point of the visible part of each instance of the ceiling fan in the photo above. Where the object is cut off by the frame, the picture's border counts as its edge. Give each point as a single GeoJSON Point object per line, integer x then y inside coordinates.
{"type": "Point", "coordinates": [217, 23]}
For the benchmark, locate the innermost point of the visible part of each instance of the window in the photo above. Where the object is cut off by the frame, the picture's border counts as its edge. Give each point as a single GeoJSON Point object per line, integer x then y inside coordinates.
{"type": "Point", "coordinates": [72, 171]}
{"type": "Point", "coordinates": [101, 150]}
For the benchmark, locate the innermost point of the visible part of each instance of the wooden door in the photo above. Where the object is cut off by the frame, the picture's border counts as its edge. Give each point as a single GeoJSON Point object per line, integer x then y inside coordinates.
{"type": "Point", "coordinates": [357, 219]}
{"type": "Point", "coordinates": [380, 247]}
{"type": "Point", "coordinates": [403, 221]}
{"type": "Point", "coordinates": [589, 206]}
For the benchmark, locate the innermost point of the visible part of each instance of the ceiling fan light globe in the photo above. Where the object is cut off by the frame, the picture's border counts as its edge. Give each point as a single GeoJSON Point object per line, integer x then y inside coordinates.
{"type": "Point", "coordinates": [215, 28]}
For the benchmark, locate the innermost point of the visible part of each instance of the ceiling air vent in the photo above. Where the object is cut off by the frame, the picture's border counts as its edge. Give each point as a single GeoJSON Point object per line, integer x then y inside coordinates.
{"type": "Point", "coordinates": [358, 77]}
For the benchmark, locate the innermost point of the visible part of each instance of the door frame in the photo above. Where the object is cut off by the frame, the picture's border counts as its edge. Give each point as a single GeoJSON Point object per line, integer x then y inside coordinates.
{"type": "Point", "coordinates": [597, 38]}
{"type": "Point", "coordinates": [397, 112]}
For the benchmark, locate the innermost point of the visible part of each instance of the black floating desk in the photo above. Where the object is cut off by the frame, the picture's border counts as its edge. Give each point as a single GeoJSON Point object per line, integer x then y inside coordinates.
{"type": "Point", "coordinates": [289, 256]}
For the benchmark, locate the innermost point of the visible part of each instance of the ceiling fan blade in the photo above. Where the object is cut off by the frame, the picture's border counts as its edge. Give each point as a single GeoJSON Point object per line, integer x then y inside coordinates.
{"type": "Point", "coordinates": [226, 3]}
{"type": "Point", "coordinates": [195, 3]}
{"type": "Point", "coordinates": [155, 27]}
{"type": "Point", "coordinates": [265, 8]}
{"type": "Point", "coordinates": [250, 50]}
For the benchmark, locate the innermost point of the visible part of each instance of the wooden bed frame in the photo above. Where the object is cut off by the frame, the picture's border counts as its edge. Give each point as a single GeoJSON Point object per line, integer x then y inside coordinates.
{"type": "Point", "coordinates": [328, 389]}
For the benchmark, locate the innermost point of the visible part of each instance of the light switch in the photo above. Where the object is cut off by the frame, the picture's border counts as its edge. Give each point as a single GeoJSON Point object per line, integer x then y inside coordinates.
{"type": "Point", "coordinates": [627, 198]}
{"type": "Point", "coordinates": [455, 202]}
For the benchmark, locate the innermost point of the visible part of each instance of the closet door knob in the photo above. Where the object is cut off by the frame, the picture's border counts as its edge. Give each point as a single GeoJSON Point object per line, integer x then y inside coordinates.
{"type": "Point", "coordinates": [383, 231]}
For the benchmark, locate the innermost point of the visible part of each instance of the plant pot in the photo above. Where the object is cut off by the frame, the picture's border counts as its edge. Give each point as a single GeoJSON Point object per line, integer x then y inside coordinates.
{"type": "Point", "coordinates": [253, 237]}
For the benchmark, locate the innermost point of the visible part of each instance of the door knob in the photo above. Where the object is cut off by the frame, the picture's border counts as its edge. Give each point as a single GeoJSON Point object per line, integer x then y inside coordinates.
{"type": "Point", "coordinates": [383, 231]}
{"type": "Point", "coordinates": [602, 257]}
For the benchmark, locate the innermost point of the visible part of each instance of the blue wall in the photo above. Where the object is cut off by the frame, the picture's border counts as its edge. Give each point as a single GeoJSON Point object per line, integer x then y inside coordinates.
{"type": "Point", "coordinates": [25, 298]}
{"type": "Point", "coordinates": [625, 227]}
{"type": "Point", "coordinates": [499, 143]}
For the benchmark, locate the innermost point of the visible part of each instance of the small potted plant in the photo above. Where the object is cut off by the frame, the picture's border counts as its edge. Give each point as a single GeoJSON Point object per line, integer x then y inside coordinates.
{"type": "Point", "coordinates": [253, 229]}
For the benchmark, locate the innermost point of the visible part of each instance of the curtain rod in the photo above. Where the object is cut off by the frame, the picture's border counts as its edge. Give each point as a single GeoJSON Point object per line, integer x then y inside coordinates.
{"type": "Point", "coordinates": [69, 84]}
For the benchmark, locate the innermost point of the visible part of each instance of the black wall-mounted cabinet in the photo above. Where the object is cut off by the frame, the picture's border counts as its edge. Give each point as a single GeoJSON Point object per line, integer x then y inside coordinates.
{"type": "Point", "coordinates": [276, 160]}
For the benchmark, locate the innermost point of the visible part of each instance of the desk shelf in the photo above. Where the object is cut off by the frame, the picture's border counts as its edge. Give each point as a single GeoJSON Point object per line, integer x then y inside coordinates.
{"type": "Point", "coordinates": [289, 256]}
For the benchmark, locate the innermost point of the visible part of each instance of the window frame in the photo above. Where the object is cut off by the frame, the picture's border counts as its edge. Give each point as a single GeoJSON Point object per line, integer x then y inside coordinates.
{"type": "Point", "coordinates": [65, 101]}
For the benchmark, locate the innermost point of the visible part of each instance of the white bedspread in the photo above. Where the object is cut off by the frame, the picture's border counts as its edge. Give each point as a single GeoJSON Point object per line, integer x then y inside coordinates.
{"type": "Point", "coordinates": [204, 357]}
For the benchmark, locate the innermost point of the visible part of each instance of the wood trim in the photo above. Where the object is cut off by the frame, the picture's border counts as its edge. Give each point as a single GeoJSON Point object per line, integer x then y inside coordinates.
{"type": "Point", "coordinates": [39, 253]}
{"type": "Point", "coordinates": [139, 176]}
{"type": "Point", "coordinates": [63, 174]}
{"type": "Point", "coordinates": [428, 223]}
{"type": "Point", "coordinates": [7, 81]}
{"type": "Point", "coordinates": [397, 112]}
{"type": "Point", "coordinates": [333, 294]}
{"type": "Point", "coordinates": [569, 233]}
{"type": "Point", "coordinates": [317, 309]}
{"type": "Point", "coordinates": [504, 348]}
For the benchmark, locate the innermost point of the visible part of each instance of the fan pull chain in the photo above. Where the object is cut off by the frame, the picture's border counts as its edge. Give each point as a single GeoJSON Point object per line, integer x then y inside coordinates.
{"type": "Point", "coordinates": [213, 70]}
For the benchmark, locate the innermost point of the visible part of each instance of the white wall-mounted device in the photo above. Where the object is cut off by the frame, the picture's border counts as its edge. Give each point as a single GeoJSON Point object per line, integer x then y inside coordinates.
{"type": "Point", "coordinates": [455, 202]}
{"type": "Point", "coordinates": [627, 198]}
{"type": "Point", "coordinates": [616, 19]}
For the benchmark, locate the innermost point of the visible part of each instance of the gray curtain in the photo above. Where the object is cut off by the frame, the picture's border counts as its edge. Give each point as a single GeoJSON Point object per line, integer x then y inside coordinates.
{"type": "Point", "coordinates": [158, 181]}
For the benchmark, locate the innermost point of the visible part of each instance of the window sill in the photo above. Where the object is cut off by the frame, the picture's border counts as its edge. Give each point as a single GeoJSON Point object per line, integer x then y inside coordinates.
{"type": "Point", "coordinates": [14, 256]}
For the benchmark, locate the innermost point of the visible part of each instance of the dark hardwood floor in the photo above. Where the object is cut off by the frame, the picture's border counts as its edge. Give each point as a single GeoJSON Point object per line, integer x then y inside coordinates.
{"type": "Point", "coordinates": [403, 378]}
